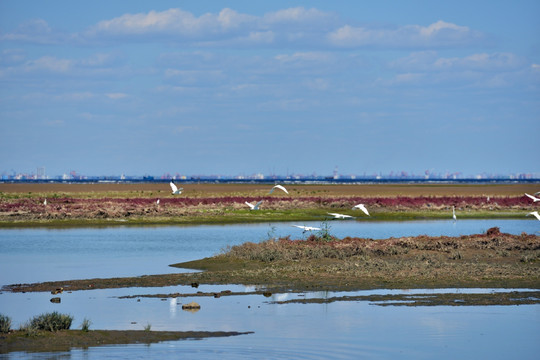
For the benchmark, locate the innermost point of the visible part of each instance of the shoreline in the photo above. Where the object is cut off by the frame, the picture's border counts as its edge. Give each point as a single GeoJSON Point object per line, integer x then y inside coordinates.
{"type": "Point", "coordinates": [65, 340]}
{"type": "Point", "coordinates": [490, 260]}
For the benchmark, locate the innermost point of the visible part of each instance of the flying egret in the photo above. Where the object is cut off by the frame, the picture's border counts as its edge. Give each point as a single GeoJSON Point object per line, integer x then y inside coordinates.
{"type": "Point", "coordinates": [254, 207]}
{"type": "Point", "coordinates": [278, 187]}
{"type": "Point", "coordinates": [340, 216]}
{"type": "Point", "coordinates": [307, 228]}
{"type": "Point", "coordinates": [175, 190]}
{"type": "Point", "coordinates": [533, 198]}
{"type": "Point", "coordinates": [454, 213]}
{"type": "Point", "coordinates": [535, 214]}
{"type": "Point", "coordinates": [361, 207]}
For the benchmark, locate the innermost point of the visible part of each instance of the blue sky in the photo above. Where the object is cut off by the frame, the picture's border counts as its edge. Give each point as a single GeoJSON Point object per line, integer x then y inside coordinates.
{"type": "Point", "coordinates": [243, 87]}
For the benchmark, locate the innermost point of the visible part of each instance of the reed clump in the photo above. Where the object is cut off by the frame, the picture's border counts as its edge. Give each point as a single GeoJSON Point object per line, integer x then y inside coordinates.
{"type": "Point", "coordinates": [317, 247]}
{"type": "Point", "coordinates": [5, 323]}
{"type": "Point", "coordinates": [53, 321]}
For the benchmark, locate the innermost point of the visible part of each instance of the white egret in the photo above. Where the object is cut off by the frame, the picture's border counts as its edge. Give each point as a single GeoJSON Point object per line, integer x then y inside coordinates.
{"type": "Point", "coordinates": [307, 228]}
{"type": "Point", "coordinates": [175, 190]}
{"type": "Point", "coordinates": [454, 213]}
{"type": "Point", "coordinates": [254, 207]}
{"type": "Point", "coordinates": [340, 216]}
{"type": "Point", "coordinates": [45, 202]}
{"type": "Point", "coordinates": [157, 202]}
{"type": "Point", "coordinates": [533, 198]}
{"type": "Point", "coordinates": [535, 214]}
{"type": "Point", "coordinates": [278, 187]}
{"type": "Point", "coordinates": [361, 207]}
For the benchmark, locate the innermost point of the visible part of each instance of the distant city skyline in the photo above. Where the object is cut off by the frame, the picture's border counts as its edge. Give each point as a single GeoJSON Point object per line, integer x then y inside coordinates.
{"type": "Point", "coordinates": [40, 174]}
{"type": "Point", "coordinates": [256, 87]}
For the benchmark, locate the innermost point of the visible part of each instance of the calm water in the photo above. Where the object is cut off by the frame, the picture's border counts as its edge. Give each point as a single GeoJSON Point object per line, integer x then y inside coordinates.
{"type": "Point", "coordinates": [355, 329]}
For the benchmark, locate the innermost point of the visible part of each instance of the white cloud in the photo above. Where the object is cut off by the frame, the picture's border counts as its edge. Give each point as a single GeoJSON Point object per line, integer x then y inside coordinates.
{"type": "Point", "coordinates": [172, 22]}
{"type": "Point", "coordinates": [298, 15]}
{"type": "Point", "coordinates": [116, 96]}
{"type": "Point", "coordinates": [439, 34]}
{"type": "Point", "coordinates": [49, 64]}
{"type": "Point", "coordinates": [36, 31]}
{"type": "Point", "coordinates": [427, 61]}
{"type": "Point", "coordinates": [12, 56]}
{"type": "Point", "coordinates": [308, 28]}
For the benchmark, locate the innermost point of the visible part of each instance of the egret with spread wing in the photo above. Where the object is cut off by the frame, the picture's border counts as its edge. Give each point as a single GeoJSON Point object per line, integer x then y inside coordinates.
{"type": "Point", "coordinates": [254, 207]}
{"type": "Point", "coordinates": [340, 216]}
{"type": "Point", "coordinates": [535, 214]}
{"type": "Point", "coordinates": [533, 198]}
{"type": "Point", "coordinates": [361, 207]}
{"type": "Point", "coordinates": [307, 228]}
{"type": "Point", "coordinates": [278, 187]}
{"type": "Point", "coordinates": [175, 189]}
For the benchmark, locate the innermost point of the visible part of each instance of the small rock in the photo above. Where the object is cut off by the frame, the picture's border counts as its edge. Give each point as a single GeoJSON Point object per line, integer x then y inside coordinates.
{"type": "Point", "coordinates": [493, 231]}
{"type": "Point", "coordinates": [191, 305]}
{"type": "Point", "coordinates": [195, 285]}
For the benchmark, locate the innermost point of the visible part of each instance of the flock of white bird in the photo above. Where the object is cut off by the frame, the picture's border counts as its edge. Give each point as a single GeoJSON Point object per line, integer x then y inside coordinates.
{"type": "Point", "coordinates": [256, 206]}
{"type": "Point", "coordinates": [177, 191]}
{"type": "Point", "coordinates": [534, 199]}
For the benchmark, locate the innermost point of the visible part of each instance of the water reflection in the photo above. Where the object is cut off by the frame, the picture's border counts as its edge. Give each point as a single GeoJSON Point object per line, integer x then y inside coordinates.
{"type": "Point", "coordinates": [346, 329]}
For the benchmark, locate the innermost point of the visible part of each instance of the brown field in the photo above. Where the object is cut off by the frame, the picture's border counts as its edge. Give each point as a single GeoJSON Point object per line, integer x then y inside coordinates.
{"type": "Point", "coordinates": [112, 203]}
{"type": "Point", "coordinates": [206, 189]}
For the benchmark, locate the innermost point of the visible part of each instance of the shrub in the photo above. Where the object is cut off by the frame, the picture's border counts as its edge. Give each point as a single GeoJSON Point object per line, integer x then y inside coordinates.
{"type": "Point", "coordinates": [86, 325]}
{"type": "Point", "coordinates": [28, 329]}
{"type": "Point", "coordinates": [5, 323]}
{"type": "Point", "coordinates": [52, 321]}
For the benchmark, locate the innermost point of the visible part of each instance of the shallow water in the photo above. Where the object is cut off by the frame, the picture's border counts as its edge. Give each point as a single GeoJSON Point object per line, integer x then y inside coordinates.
{"type": "Point", "coordinates": [35, 255]}
{"type": "Point", "coordinates": [347, 330]}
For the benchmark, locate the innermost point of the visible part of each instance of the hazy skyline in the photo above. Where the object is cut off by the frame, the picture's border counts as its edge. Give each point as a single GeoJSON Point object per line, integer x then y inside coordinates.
{"type": "Point", "coordinates": [232, 87]}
